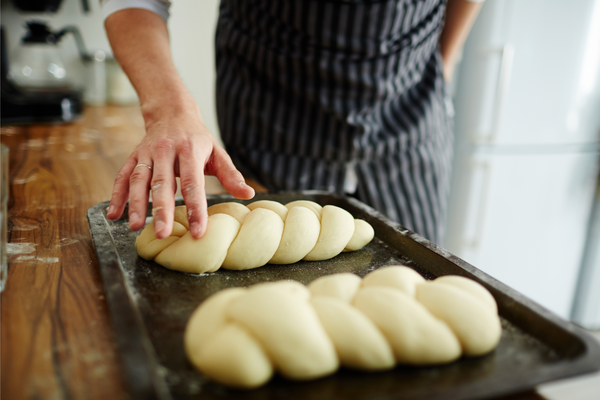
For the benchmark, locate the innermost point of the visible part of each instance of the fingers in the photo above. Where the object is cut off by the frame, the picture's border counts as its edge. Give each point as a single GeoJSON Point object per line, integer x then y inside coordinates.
{"type": "Point", "coordinates": [154, 165]}
{"type": "Point", "coordinates": [163, 187]}
{"type": "Point", "coordinates": [145, 170]}
{"type": "Point", "coordinates": [232, 180]}
{"type": "Point", "coordinates": [192, 188]}
{"type": "Point", "coordinates": [139, 186]}
{"type": "Point", "coordinates": [120, 192]}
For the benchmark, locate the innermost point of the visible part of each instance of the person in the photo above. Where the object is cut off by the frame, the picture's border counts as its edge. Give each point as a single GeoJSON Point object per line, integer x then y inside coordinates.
{"type": "Point", "coordinates": [344, 96]}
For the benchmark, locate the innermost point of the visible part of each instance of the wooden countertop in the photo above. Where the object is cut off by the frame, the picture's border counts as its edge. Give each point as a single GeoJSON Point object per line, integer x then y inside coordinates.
{"type": "Point", "coordinates": [56, 335]}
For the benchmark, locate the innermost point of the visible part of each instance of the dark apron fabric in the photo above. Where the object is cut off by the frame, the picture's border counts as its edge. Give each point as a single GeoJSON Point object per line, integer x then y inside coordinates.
{"type": "Point", "coordinates": [314, 94]}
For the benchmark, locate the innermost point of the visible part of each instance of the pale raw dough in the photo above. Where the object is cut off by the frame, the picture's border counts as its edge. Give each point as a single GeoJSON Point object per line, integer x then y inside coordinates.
{"type": "Point", "coordinates": [240, 337]}
{"type": "Point", "coordinates": [289, 331]}
{"type": "Point", "coordinates": [236, 210]}
{"type": "Point", "coordinates": [471, 287]}
{"type": "Point", "coordinates": [208, 319]}
{"type": "Point", "coordinates": [221, 349]}
{"type": "Point", "coordinates": [363, 234]}
{"type": "Point", "coordinates": [268, 232]}
{"type": "Point", "coordinates": [180, 216]}
{"type": "Point", "coordinates": [206, 254]}
{"type": "Point", "coordinates": [311, 205]}
{"type": "Point", "coordinates": [300, 235]}
{"type": "Point", "coordinates": [417, 337]}
{"type": "Point", "coordinates": [395, 276]}
{"type": "Point", "coordinates": [148, 246]}
{"type": "Point", "coordinates": [256, 242]}
{"type": "Point", "coordinates": [337, 228]}
{"type": "Point", "coordinates": [475, 325]}
{"type": "Point", "coordinates": [358, 342]}
{"type": "Point", "coordinates": [234, 358]}
{"type": "Point", "coordinates": [274, 206]}
{"type": "Point", "coordinates": [341, 286]}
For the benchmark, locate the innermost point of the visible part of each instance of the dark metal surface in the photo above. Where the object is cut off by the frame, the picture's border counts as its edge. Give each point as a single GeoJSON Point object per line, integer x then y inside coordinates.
{"type": "Point", "coordinates": [150, 306]}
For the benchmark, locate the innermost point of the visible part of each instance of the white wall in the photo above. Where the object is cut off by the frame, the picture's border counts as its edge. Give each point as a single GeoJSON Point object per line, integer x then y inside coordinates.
{"type": "Point", "coordinates": [192, 27]}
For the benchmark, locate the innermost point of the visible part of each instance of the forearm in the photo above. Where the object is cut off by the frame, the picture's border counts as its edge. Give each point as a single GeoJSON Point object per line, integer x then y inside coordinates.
{"type": "Point", "coordinates": [460, 16]}
{"type": "Point", "coordinates": [140, 42]}
{"type": "Point", "coordinates": [177, 144]}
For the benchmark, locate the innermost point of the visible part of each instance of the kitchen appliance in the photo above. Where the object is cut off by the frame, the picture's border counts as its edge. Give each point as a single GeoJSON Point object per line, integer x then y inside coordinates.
{"type": "Point", "coordinates": [45, 5]}
{"type": "Point", "coordinates": [528, 145]}
{"type": "Point", "coordinates": [37, 63]}
{"type": "Point", "coordinates": [36, 88]}
{"type": "Point", "coordinates": [586, 308]}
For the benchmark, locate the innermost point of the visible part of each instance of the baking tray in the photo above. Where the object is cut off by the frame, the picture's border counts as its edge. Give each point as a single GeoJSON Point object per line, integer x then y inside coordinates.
{"type": "Point", "coordinates": [150, 306]}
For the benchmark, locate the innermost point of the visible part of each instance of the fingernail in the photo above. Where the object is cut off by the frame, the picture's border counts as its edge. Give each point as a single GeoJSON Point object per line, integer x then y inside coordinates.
{"type": "Point", "coordinates": [195, 228]}
{"type": "Point", "coordinates": [133, 218]}
{"type": "Point", "coordinates": [111, 209]}
{"type": "Point", "coordinates": [158, 226]}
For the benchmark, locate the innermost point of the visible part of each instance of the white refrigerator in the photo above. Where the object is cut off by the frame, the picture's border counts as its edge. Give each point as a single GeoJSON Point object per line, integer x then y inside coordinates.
{"type": "Point", "coordinates": [527, 126]}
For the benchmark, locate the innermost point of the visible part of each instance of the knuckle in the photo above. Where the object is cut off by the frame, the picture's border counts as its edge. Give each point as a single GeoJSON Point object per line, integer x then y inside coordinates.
{"type": "Point", "coordinates": [192, 209]}
{"type": "Point", "coordinates": [116, 200]}
{"type": "Point", "coordinates": [186, 150]}
{"type": "Point", "coordinates": [137, 178]}
{"type": "Point", "coordinates": [193, 212]}
{"type": "Point", "coordinates": [160, 211]}
{"type": "Point", "coordinates": [163, 146]}
{"type": "Point", "coordinates": [159, 184]}
{"type": "Point", "coordinates": [117, 192]}
{"type": "Point", "coordinates": [218, 150]}
{"type": "Point", "coordinates": [234, 174]}
{"type": "Point", "coordinates": [189, 187]}
{"type": "Point", "coordinates": [121, 176]}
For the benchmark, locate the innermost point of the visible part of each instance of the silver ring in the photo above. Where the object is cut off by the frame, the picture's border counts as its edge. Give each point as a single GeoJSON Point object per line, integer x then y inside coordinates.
{"type": "Point", "coordinates": [143, 165]}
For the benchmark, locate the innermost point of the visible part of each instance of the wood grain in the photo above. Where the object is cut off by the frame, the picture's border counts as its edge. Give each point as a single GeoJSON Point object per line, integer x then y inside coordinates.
{"type": "Point", "coordinates": [57, 339]}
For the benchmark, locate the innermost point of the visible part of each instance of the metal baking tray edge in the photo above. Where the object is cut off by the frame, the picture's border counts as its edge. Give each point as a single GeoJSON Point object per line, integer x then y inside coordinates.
{"type": "Point", "coordinates": [579, 351]}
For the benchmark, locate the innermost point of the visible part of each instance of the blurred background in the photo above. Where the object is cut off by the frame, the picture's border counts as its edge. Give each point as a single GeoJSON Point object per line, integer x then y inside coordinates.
{"type": "Point", "coordinates": [525, 202]}
{"type": "Point", "coordinates": [525, 197]}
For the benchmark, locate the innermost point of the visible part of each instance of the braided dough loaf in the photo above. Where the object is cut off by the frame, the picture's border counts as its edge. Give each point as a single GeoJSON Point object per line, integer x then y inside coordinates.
{"type": "Point", "coordinates": [240, 337]}
{"type": "Point", "coordinates": [240, 237]}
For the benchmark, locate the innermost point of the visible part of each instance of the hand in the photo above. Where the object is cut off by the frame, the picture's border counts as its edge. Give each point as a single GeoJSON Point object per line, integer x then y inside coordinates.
{"type": "Point", "coordinates": [448, 67]}
{"type": "Point", "coordinates": [177, 144]}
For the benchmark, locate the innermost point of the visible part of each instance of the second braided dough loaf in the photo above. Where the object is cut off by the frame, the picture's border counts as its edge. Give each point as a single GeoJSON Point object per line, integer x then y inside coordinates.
{"type": "Point", "coordinates": [240, 337]}
{"type": "Point", "coordinates": [243, 237]}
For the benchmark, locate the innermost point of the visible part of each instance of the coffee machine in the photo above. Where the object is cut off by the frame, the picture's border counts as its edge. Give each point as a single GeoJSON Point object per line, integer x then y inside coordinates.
{"type": "Point", "coordinates": [28, 105]}
{"type": "Point", "coordinates": [28, 96]}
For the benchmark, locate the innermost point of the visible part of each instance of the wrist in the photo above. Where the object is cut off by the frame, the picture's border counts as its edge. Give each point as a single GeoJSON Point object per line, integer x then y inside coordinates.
{"type": "Point", "coordinates": [448, 65]}
{"type": "Point", "coordinates": [176, 103]}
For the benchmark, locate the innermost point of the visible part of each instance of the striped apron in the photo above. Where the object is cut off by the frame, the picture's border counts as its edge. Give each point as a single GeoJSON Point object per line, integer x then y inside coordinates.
{"type": "Point", "coordinates": [343, 96]}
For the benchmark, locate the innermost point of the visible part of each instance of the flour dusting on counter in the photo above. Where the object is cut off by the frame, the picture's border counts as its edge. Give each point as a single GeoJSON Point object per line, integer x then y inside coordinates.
{"type": "Point", "coordinates": [48, 260]}
{"type": "Point", "coordinates": [20, 248]}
